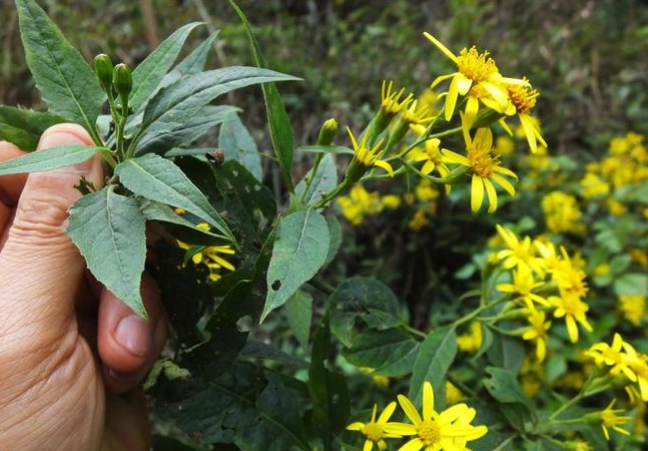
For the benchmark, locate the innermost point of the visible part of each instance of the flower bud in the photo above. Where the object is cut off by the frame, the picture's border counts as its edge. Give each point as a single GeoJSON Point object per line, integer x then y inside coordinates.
{"type": "Point", "coordinates": [327, 133]}
{"type": "Point", "coordinates": [104, 70]}
{"type": "Point", "coordinates": [122, 80]}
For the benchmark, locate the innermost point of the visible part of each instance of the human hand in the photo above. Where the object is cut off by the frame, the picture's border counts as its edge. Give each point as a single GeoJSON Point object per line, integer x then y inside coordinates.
{"type": "Point", "coordinates": [71, 354]}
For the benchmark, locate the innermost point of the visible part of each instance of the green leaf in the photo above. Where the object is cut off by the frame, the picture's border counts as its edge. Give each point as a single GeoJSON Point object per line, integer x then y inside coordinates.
{"type": "Point", "coordinates": [281, 130]}
{"type": "Point", "coordinates": [48, 160]}
{"type": "Point", "coordinates": [158, 179]}
{"type": "Point", "coordinates": [365, 299]}
{"type": "Point", "coordinates": [328, 390]}
{"type": "Point", "coordinates": [504, 387]}
{"type": "Point", "coordinates": [156, 211]}
{"type": "Point", "coordinates": [169, 109]}
{"type": "Point", "coordinates": [69, 87]}
{"type": "Point", "coordinates": [327, 149]}
{"type": "Point", "coordinates": [631, 284]}
{"type": "Point", "coordinates": [238, 144]}
{"type": "Point", "coordinates": [192, 64]}
{"type": "Point", "coordinates": [389, 352]}
{"type": "Point", "coordinates": [299, 312]}
{"type": "Point", "coordinates": [506, 352]}
{"type": "Point", "coordinates": [437, 353]}
{"type": "Point", "coordinates": [299, 252]}
{"type": "Point", "coordinates": [335, 232]}
{"type": "Point", "coordinates": [324, 181]}
{"type": "Point", "coordinates": [23, 128]}
{"type": "Point", "coordinates": [150, 72]}
{"type": "Point", "coordinates": [109, 231]}
{"type": "Point", "coordinates": [205, 119]}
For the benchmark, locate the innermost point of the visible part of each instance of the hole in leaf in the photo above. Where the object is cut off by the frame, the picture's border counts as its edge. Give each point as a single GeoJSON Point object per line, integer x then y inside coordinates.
{"type": "Point", "coordinates": [276, 285]}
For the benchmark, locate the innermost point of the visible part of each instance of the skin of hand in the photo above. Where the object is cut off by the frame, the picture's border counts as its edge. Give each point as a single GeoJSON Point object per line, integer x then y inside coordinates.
{"type": "Point", "coordinates": [71, 354]}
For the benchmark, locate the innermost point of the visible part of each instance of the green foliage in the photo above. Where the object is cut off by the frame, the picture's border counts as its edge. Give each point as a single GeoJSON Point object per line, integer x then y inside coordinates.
{"type": "Point", "coordinates": [23, 128]}
{"type": "Point", "coordinates": [237, 143]}
{"type": "Point", "coordinates": [54, 158]}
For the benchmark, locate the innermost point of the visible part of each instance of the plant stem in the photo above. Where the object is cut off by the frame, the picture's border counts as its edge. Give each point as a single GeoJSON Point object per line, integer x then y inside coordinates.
{"type": "Point", "coordinates": [476, 312]}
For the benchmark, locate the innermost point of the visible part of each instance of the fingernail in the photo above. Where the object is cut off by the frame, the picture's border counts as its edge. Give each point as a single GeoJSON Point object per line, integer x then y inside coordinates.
{"type": "Point", "coordinates": [134, 334]}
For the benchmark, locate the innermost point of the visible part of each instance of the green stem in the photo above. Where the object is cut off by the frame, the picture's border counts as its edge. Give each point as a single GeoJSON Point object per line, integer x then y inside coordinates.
{"type": "Point", "coordinates": [415, 332]}
{"type": "Point", "coordinates": [472, 315]}
{"type": "Point", "coordinates": [324, 287]}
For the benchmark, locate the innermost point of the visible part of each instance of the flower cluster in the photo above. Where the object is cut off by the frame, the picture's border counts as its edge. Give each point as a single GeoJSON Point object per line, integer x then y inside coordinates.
{"type": "Point", "coordinates": [449, 430]}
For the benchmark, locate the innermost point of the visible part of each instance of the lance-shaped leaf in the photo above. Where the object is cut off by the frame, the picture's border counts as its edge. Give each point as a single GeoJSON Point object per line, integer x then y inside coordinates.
{"type": "Point", "coordinates": [281, 130]}
{"type": "Point", "coordinates": [23, 128]}
{"type": "Point", "coordinates": [299, 312]}
{"type": "Point", "coordinates": [238, 144]}
{"type": "Point", "coordinates": [148, 75]}
{"type": "Point", "coordinates": [299, 252]}
{"type": "Point", "coordinates": [389, 352]}
{"type": "Point", "coordinates": [207, 117]}
{"type": "Point", "coordinates": [171, 106]}
{"type": "Point", "coordinates": [48, 160]}
{"type": "Point", "coordinates": [324, 181]}
{"type": "Point", "coordinates": [109, 231]}
{"type": "Point", "coordinates": [158, 179]}
{"type": "Point", "coordinates": [69, 87]}
{"type": "Point", "coordinates": [192, 64]}
{"type": "Point", "coordinates": [156, 211]}
{"type": "Point", "coordinates": [435, 356]}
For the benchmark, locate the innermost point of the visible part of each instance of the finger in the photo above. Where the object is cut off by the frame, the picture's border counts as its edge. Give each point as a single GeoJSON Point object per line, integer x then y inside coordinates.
{"type": "Point", "coordinates": [10, 185]}
{"type": "Point", "coordinates": [39, 263]}
{"type": "Point", "coordinates": [127, 342]}
{"type": "Point", "coordinates": [127, 425]}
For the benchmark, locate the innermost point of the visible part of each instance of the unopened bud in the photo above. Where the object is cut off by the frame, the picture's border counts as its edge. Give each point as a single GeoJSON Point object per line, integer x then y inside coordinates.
{"type": "Point", "coordinates": [122, 80]}
{"type": "Point", "coordinates": [104, 70]}
{"type": "Point", "coordinates": [327, 133]}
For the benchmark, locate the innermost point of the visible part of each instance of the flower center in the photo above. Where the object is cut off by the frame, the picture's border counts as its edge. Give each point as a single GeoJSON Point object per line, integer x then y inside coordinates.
{"type": "Point", "coordinates": [476, 66]}
{"type": "Point", "coordinates": [373, 431]}
{"type": "Point", "coordinates": [482, 162]}
{"type": "Point", "coordinates": [429, 432]}
{"type": "Point", "coordinates": [523, 98]}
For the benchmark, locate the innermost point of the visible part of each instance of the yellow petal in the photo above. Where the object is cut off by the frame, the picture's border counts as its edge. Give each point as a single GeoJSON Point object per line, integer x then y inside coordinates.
{"type": "Point", "coordinates": [528, 131]}
{"type": "Point", "coordinates": [463, 84]}
{"type": "Point", "coordinates": [355, 426]}
{"type": "Point", "coordinates": [498, 94]}
{"type": "Point", "coordinates": [476, 193]}
{"type": "Point", "coordinates": [409, 410]}
{"type": "Point", "coordinates": [428, 401]}
{"type": "Point", "coordinates": [384, 165]}
{"type": "Point", "coordinates": [451, 100]}
{"type": "Point", "coordinates": [428, 167]}
{"type": "Point", "coordinates": [387, 413]}
{"type": "Point", "coordinates": [368, 445]}
{"type": "Point", "coordinates": [440, 46]}
{"type": "Point", "coordinates": [472, 109]}
{"type": "Point", "coordinates": [441, 79]}
{"type": "Point", "coordinates": [492, 195]}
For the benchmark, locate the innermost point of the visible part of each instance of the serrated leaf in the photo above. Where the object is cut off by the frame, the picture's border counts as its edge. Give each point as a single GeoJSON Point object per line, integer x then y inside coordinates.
{"type": "Point", "coordinates": [150, 72]}
{"type": "Point", "coordinates": [299, 252]}
{"type": "Point", "coordinates": [109, 231]}
{"type": "Point", "coordinates": [389, 352]}
{"type": "Point", "coordinates": [299, 312]}
{"type": "Point", "coordinates": [156, 211]}
{"type": "Point", "coordinates": [437, 353]}
{"type": "Point", "coordinates": [324, 181]}
{"type": "Point", "coordinates": [207, 117]}
{"type": "Point", "coordinates": [171, 106]}
{"type": "Point", "coordinates": [158, 179]}
{"type": "Point", "coordinates": [23, 128]}
{"type": "Point", "coordinates": [69, 87]}
{"type": "Point", "coordinates": [48, 160]}
{"type": "Point", "coordinates": [364, 299]}
{"type": "Point", "coordinates": [281, 130]}
{"type": "Point", "coordinates": [192, 64]}
{"type": "Point", "coordinates": [238, 145]}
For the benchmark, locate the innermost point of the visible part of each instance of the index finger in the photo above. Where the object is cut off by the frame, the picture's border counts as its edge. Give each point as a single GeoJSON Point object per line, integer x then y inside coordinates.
{"type": "Point", "coordinates": [10, 185]}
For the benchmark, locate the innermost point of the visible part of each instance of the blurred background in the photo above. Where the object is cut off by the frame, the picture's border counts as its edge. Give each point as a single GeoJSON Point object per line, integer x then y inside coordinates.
{"type": "Point", "coordinates": [589, 60]}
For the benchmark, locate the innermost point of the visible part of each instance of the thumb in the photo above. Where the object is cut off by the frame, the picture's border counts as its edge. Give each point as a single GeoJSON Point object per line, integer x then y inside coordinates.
{"type": "Point", "coordinates": [40, 268]}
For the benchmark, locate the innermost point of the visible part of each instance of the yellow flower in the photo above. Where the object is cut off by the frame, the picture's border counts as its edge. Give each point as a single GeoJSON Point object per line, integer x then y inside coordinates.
{"type": "Point", "coordinates": [569, 277]}
{"type": "Point", "coordinates": [616, 208]}
{"type": "Point", "coordinates": [594, 186]}
{"type": "Point", "coordinates": [449, 430]}
{"type": "Point", "coordinates": [431, 155]}
{"type": "Point", "coordinates": [375, 430]}
{"type": "Point", "coordinates": [610, 419]}
{"type": "Point", "coordinates": [602, 270]}
{"type": "Point", "coordinates": [391, 101]}
{"type": "Point", "coordinates": [484, 166]}
{"type": "Point", "coordinates": [538, 328]}
{"type": "Point", "coordinates": [369, 157]}
{"type": "Point", "coordinates": [473, 69]}
{"type": "Point", "coordinates": [471, 341]}
{"type": "Point", "coordinates": [359, 204]}
{"type": "Point", "coordinates": [519, 252]}
{"type": "Point", "coordinates": [640, 256]}
{"type": "Point", "coordinates": [562, 214]}
{"type": "Point", "coordinates": [426, 191]}
{"type": "Point", "coordinates": [419, 220]}
{"type": "Point", "coordinates": [573, 310]}
{"type": "Point", "coordinates": [633, 308]}
{"type": "Point", "coordinates": [211, 256]}
{"type": "Point", "coordinates": [523, 285]}
{"type": "Point", "coordinates": [504, 146]}
{"type": "Point", "coordinates": [523, 98]}
{"type": "Point", "coordinates": [453, 394]}
{"type": "Point", "coordinates": [180, 211]}
{"type": "Point", "coordinates": [390, 201]}
{"type": "Point", "coordinates": [613, 357]}
{"type": "Point", "coordinates": [416, 115]}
